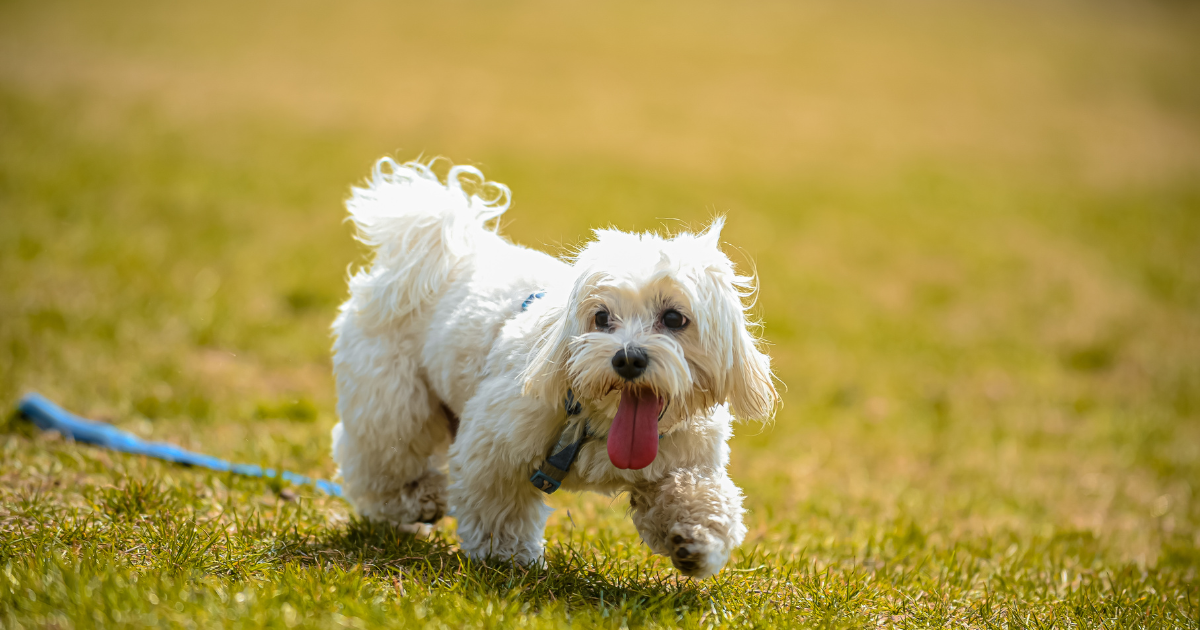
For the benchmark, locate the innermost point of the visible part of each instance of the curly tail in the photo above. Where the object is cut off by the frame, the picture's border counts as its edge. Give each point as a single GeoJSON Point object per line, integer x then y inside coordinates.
{"type": "Point", "coordinates": [420, 229]}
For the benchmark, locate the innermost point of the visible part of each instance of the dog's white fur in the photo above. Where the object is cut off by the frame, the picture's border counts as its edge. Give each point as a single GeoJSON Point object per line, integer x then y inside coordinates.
{"type": "Point", "coordinates": [436, 325]}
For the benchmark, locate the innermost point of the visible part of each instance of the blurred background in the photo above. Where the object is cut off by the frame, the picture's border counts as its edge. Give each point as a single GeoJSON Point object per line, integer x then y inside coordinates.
{"type": "Point", "coordinates": [976, 226]}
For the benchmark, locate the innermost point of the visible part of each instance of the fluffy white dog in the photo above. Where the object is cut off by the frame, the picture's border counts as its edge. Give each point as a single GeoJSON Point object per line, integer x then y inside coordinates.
{"type": "Point", "coordinates": [620, 371]}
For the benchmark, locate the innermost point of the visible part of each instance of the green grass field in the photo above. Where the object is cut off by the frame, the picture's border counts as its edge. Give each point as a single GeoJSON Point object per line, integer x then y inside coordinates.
{"type": "Point", "coordinates": [976, 226]}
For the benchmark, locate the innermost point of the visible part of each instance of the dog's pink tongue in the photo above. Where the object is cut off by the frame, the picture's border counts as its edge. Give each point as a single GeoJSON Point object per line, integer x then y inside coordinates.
{"type": "Point", "coordinates": [633, 438]}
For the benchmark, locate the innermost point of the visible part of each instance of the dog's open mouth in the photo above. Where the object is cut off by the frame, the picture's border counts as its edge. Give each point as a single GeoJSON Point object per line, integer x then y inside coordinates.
{"type": "Point", "coordinates": [633, 438]}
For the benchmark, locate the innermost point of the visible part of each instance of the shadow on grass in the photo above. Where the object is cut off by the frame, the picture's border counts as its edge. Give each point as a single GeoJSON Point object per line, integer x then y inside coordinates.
{"type": "Point", "coordinates": [574, 574]}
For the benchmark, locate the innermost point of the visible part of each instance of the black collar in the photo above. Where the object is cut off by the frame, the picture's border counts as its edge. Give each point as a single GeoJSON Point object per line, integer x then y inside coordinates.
{"type": "Point", "coordinates": [551, 472]}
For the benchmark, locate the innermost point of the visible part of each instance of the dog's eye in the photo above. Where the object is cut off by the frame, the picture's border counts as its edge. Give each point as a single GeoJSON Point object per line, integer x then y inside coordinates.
{"type": "Point", "coordinates": [674, 320]}
{"type": "Point", "coordinates": [602, 320]}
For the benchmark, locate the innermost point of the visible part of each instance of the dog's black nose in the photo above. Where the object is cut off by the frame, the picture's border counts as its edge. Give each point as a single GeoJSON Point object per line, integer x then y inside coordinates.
{"type": "Point", "coordinates": [630, 362]}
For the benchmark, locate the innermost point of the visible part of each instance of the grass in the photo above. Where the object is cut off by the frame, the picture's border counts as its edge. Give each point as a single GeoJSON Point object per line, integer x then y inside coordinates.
{"type": "Point", "coordinates": [976, 226]}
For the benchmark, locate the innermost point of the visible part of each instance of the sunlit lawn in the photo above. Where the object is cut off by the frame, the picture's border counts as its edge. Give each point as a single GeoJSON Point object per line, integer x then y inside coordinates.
{"type": "Point", "coordinates": [976, 227]}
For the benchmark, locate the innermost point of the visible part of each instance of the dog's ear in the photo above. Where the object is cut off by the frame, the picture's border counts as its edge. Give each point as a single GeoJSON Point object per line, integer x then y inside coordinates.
{"type": "Point", "coordinates": [711, 236]}
{"type": "Point", "coordinates": [752, 393]}
{"type": "Point", "coordinates": [748, 382]}
{"type": "Point", "coordinates": [545, 376]}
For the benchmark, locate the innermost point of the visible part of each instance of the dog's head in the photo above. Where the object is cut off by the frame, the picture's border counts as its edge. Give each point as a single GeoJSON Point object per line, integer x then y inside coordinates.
{"type": "Point", "coordinates": [654, 330]}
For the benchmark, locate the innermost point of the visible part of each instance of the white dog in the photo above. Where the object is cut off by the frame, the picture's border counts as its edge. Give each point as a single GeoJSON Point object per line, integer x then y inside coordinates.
{"type": "Point", "coordinates": [616, 372]}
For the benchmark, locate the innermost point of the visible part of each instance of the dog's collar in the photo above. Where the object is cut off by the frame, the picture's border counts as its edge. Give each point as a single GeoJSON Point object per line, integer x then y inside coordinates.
{"type": "Point", "coordinates": [551, 472]}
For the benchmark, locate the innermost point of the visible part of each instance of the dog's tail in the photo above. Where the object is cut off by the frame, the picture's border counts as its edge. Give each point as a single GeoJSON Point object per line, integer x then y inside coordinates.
{"type": "Point", "coordinates": [421, 229]}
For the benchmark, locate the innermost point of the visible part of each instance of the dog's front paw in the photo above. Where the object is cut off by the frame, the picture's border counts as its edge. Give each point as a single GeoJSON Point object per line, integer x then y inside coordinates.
{"type": "Point", "coordinates": [526, 553]}
{"type": "Point", "coordinates": [695, 551]}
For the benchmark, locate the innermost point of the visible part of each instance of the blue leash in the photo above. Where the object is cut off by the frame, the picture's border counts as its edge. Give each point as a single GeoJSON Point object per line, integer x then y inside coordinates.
{"type": "Point", "coordinates": [50, 417]}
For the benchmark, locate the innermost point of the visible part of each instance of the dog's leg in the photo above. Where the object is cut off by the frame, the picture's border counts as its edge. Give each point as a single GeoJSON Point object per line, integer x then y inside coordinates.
{"type": "Point", "coordinates": [499, 521]}
{"type": "Point", "coordinates": [393, 437]}
{"type": "Point", "coordinates": [392, 478]}
{"type": "Point", "coordinates": [500, 514]}
{"type": "Point", "coordinates": [693, 516]}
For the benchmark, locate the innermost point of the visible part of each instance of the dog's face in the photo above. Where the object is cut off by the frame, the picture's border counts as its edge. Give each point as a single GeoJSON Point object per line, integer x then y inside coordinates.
{"type": "Point", "coordinates": [654, 330]}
